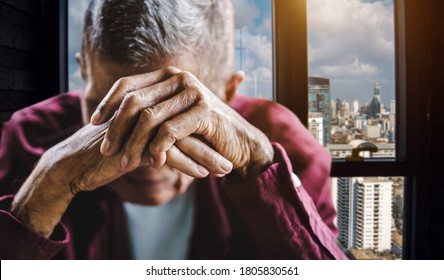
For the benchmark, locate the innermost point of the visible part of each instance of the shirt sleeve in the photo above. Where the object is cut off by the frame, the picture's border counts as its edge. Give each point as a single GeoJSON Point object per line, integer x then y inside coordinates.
{"type": "Point", "coordinates": [281, 215]}
{"type": "Point", "coordinates": [309, 159]}
{"type": "Point", "coordinates": [18, 242]}
{"type": "Point", "coordinates": [23, 139]}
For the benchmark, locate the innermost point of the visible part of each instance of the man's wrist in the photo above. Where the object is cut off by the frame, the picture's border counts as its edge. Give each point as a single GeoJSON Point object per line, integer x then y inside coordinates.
{"type": "Point", "coordinates": [261, 159]}
{"type": "Point", "coordinates": [41, 201]}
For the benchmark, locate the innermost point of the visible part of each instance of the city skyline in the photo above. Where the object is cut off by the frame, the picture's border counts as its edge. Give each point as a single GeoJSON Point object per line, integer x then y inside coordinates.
{"type": "Point", "coordinates": [319, 101]}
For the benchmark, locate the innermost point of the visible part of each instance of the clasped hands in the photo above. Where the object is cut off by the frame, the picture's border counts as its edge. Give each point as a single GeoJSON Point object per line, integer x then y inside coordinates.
{"type": "Point", "coordinates": [165, 117]}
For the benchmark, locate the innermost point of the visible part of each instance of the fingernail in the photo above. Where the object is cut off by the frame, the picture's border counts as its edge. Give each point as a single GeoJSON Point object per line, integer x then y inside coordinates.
{"type": "Point", "coordinates": [124, 162]}
{"type": "Point", "coordinates": [95, 118]}
{"type": "Point", "coordinates": [151, 161]}
{"type": "Point", "coordinates": [226, 165]}
{"type": "Point", "coordinates": [219, 175]}
{"type": "Point", "coordinates": [105, 148]}
{"type": "Point", "coordinates": [202, 170]}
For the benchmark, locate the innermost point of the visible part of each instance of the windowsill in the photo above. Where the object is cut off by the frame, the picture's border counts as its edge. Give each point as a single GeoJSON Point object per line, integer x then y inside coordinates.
{"type": "Point", "coordinates": [380, 167]}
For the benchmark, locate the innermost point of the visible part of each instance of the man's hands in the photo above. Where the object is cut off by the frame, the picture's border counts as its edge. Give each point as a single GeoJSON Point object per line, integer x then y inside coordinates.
{"type": "Point", "coordinates": [163, 117]}
{"type": "Point", "coordinates": [73, 165]}
{"type": "Point", "coordinates": [165, 112]}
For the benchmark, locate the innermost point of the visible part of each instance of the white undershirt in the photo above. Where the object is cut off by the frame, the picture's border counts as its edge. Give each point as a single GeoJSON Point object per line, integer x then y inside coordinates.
{"type": "Point", "coordinates": [161, 232]}
{"type": "Point", "coordinates": [164, 232]}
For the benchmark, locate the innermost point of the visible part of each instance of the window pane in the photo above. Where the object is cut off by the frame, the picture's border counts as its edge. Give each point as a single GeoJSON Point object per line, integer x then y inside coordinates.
{"type": "Point", "coordinates": [351, 82]}
{"type": "Point", "coordinates": [370, 215]}
{"type": "Point", "coordinates": [254, 47]}
{"type": "Point", "coordinates": [76, 10]}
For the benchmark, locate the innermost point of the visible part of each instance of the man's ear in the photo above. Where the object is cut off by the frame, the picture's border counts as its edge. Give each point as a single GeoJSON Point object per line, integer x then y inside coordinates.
{"type": "Point", "coordinates": [81, 62]}
{"type": "Point", "coordinates": [232, 84]}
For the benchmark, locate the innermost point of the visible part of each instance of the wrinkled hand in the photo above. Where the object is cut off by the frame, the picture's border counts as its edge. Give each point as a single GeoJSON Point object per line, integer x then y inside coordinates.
{"type": "Point", "coordinates": [78, 162]}
{"type": "Point", "coordinates": [75, 165]}
{"type": "Point", "coordinates": [71, 166]}
{"type": "Point", "coordinates": [154, 118]}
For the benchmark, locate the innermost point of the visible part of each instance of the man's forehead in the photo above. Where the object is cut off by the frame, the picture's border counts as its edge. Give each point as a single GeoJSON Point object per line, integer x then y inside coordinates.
{"type": "Point", "coordinates": [105, 70]}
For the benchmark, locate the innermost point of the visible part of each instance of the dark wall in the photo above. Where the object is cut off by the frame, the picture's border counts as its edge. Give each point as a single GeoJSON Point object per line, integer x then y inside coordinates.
{"type": "Point", "coordinates": [436, 126]}
{"type": "Point", "coordinates": [31, 63]}
{"type": "Point", "coordinates": [424, 79]}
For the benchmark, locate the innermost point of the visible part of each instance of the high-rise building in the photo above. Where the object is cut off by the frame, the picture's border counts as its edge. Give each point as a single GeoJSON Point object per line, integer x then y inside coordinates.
{"type": "Point", "coordinates": [315, 126]}
{"type": "Point", "coordinates": [346, 208]}
{"type": "Point", "coordinates": [333, 110]}
{"type": "Point", "coordinates": [373, 219]}
{"type": "Point", "coordinates": [392, 120]}
{"type": "Point", "coordinates": [364, 208]}
{"type": "Point", "coordinates": [355, 106]}
{"type": "Point", "coordinates": [338, 107]}
{"type": "Point", "coordinates": [334, 196]}
{"type": "Point", "coordinates": [393, 106]}
{"type": "Point", "coordinates": [345, 109]}
{"type": "Point", "coordinates": [372, 131]}
{"type": "Point", "coordinates": [377, 91]}
{"type": "Point", "coordinates": [319, 101]}
{"type": "Point", "coordinates": [374, 108]}
{"type": "Point", "coordinates": [360, 122]}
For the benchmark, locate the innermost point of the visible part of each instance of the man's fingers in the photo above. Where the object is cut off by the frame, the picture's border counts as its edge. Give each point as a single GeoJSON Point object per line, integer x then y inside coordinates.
{"type": "Point", "coordinates": [123, 122]}
{"type": "Point", "coordinates": [181, 126]}
{"type": "Point", "coordinates": [135, 102]}
{"type": "Point", "coordinates": [130, 110]}
{"type": "Point", "coordinates": [148, 121]}
{"type": "Point", "coordinates": [204, 155]}
{"type": "Point", "coordinates": [126, 85]}
{"type": "Point", "coordinates": [178, 160]}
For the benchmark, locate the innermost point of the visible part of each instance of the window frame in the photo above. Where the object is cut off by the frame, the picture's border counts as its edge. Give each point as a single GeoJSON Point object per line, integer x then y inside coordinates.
{"type": "Point", "coordinates": [63, 46]}
{"type": "Point", "coordinates": [291, 90]}
{"type": "Point", "coordinates": [54, 48]}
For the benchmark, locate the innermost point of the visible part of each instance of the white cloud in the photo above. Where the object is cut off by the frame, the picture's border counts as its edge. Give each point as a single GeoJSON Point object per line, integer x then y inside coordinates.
{"type": "Point", "coordinates": [75, 80]}
{"type": "Point", "coordinates": [257, 47]}
{"type": "Point", "coordinates": [353, 69]}
{"type": "Point", "coordinates": [352, 39]}
{"type": "Point", "coordinates": [260, 47]}
{"type": "Point", "coordinates": [246, 12]}
{"type": "Point", "coordinates": [264, 73]}
{"type": "Point", "coordinates": [265, 28]}
{"type": "Point", "coordinates": [76, 11]}
{"type": "Point", "coordinates": [350, 27]}
{"type": "Point", "coordinates": [257, 64]}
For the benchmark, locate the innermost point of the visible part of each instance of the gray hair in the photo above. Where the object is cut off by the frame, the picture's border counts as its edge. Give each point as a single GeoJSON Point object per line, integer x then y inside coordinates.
{"type": "Point", "coordinates": [138, 33]}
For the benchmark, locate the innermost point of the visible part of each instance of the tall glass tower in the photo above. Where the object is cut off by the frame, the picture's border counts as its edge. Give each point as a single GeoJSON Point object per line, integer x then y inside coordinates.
{"type": "Point", "coordinates": [374, 109]}
{"type": "Point", "coordinates": [319, 101]}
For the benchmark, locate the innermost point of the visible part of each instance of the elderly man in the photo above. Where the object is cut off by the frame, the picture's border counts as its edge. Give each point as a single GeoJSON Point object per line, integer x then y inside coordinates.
{"type": "Point", "coordinates": [173, 163]}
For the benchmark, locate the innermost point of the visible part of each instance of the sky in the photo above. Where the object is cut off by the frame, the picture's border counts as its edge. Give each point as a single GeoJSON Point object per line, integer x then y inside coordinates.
{"type": "Point", "coordinates": [254, 46]}
{"type": "Point", "coordinates": [351, 42]}
{"type": "Point", "coordinates": [76, 9]}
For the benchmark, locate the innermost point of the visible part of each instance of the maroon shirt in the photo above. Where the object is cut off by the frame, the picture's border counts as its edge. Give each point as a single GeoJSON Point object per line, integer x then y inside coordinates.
{"type": "Point", "coordinates": [266, 217]}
